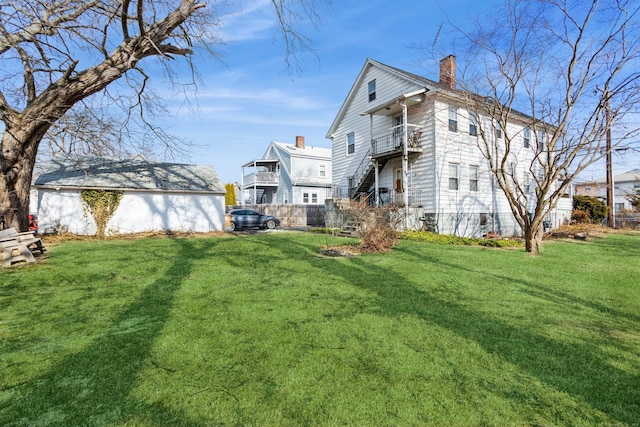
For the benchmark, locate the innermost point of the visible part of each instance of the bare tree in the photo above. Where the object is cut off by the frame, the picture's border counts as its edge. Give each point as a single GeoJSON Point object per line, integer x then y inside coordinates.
{"type": "Point", "coordinates": [58, 53]}
{"type": "Point", "coordinates": [567, 73]}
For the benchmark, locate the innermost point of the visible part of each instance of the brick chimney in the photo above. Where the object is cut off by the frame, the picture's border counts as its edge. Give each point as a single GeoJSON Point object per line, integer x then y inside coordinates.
{"type": "Point", "coordinates": [299, 141]}
{"type": "Point", "coordinates": [448, 72]}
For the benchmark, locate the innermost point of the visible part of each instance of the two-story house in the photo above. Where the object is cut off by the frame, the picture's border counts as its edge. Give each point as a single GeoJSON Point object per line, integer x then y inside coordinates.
{"type": "Point", "coordinates": [623, 185]}
{"type": "Point", "coordinates": [403, 138]}
{"type": "Point", "coordinates": [288, 174]}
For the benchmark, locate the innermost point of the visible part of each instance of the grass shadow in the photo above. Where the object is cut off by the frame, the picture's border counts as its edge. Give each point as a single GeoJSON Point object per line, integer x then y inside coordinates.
{"type": "Point", "coordinates": [93, 386]}
{"type": "Point", "coordinates": [578, 369]}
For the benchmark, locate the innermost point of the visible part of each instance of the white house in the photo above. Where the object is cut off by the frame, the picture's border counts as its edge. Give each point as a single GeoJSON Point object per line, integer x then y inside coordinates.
{"type": "Point", "coordinates": [288, 174]}
{"type": "Point", "coordinates": [155, 196]}
{"type": "Point", "coordinates": [623, 185]}
{"type": "Point", "coordinates": [402, 138]}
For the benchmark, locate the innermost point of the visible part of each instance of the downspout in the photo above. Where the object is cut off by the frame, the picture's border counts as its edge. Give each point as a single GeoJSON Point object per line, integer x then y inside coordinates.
{"type": "Point", "coordinates": [377, 188]}
{"type": "Point", "coordinates": [242, 185]}
{"type": "Point", "coordinates": [377, 172]}
{"type": "Point", "coordinates": [405, 164]}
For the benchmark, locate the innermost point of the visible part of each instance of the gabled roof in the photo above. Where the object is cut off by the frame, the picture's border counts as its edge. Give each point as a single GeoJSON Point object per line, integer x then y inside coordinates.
{"type": "Point", "coordinates": [419, 81]}
{"type": "Point", "coordinates": [629, 176]}
{"type": "Point", "coordinates": [86, 172]}
{"type": "Point", "coordinates": [306, 151]}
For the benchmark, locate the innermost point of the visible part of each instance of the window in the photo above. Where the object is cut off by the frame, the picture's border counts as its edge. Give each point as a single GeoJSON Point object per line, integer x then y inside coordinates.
{"type": "Point", "coordinates": [453, 176]}
{"type": "Point", "coordinates": [541, 140]}
{"type": "Point", "coordinates": [473, 178]}
{"type": "Point", "coordinates": [322, 171]}
{"type": "Point", "coordinates": [305, 197]}
{"type": "Point", "coordinates": [527, 137]}
{"type": "Point", "coordinates": [587, 188]}
{"type": "Point", "coordinates": [453, 119]}
{"type": "Point", "coordinates": [473, 124]}
{"type": "Point", "coordinates": [618, 207]}
{"type": "Point", "coordinates": [351, 143]}
{"type": "Point", "coordinates": [314, 198]}
{"type": "Point", "coordinates": [484, 219]}
{"type": "Point", "coordinates": [372, 90]}
{"type": "Point", "coordinates": [498, 131]}
{"type": "Point", "coordinates": [526, 183]}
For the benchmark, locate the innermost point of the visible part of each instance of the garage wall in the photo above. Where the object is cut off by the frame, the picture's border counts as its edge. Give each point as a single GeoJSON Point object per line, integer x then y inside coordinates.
{"type": "Point", "coordinates": [138, 212]}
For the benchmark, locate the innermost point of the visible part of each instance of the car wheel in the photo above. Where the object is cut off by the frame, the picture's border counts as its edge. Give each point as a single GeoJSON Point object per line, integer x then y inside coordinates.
{"type": "Point", "coordinates": [271, 224]}
{"type": "Point", "coordinates": [232, 227]}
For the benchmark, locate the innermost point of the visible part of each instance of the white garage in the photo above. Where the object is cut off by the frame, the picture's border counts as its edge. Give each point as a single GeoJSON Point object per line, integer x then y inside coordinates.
{"type": "Point", "coordinates": [148, 196]}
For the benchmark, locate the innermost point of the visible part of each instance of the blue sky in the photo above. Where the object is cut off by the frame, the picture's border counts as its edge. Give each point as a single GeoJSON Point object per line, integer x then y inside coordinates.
{"type": "Point", "coordinates": [249, 98]}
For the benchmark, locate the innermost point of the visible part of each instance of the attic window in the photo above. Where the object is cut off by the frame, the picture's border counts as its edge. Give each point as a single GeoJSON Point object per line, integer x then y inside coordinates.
{"type": "Point", "coordinates": [372, 90]}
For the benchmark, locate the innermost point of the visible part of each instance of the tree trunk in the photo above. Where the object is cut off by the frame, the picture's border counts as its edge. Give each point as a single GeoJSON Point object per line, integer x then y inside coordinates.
{"type": "Point", "coordinates": [533, 239]}
{"type": "Point", "coordinates": [17, 158]}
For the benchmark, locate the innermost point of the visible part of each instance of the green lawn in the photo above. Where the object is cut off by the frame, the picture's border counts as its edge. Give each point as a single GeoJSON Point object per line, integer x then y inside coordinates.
{"type": "Point", "coordinates": [262, 330]}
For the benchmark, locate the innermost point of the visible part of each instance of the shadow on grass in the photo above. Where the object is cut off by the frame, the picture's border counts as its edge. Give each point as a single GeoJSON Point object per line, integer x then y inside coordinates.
{"type": "Point", "coordinates": [580, 370]}
{"type": "Point", "coordinates": [93, 387]}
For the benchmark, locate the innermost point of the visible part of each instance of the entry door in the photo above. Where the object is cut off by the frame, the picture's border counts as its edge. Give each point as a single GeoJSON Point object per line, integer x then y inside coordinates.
{"type": "Point", "coordinates": [398, 180]}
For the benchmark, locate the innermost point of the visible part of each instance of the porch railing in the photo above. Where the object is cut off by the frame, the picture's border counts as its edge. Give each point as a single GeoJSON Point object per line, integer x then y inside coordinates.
{"type": "Point", "coordinates": [392, 140]}
{"type": "Point", "coordinates": [261, 178]}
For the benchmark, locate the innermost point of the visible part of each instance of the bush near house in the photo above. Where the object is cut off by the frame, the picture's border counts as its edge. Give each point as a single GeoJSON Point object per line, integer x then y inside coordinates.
{"type": "Point", "coordinates": [596, 208]}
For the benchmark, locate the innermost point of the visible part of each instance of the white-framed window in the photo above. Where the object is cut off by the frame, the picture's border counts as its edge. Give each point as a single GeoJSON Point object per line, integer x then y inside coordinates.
{"type": "Point", "coordinates": [618, 207]}
{"type": "Point", "coordinates": [453, 176]}
{"type": "Point", "coordinates": [541, 140]}
{"type": "Point", "coordinates": [484, 219]}
{"type": "Point", "coordinates": [526, 134]}
{"type": "Point", "coordinates": [322, 170]}
{"type": "Point", "coordinates": [314, 198]}
{"type": "Point", "coordinates": [498, 130]}
{"type": "Point", "coordinates": [473, 124]}
{"type": "Point", "coordinates": [453, 119]}
{"type": "Point", "coordinates": [372, 90]}
{"type": "Point", "coordinates": [305, 197]}
{"type": "Point", "coordinates": [351, 143]}
{"type": "Point", "coordinates": [526, 183]}
{"type": "Point", "coordinates": [473, 178]}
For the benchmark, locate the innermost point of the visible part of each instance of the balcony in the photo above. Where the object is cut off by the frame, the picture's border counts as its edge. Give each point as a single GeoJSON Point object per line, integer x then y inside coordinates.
{"type": "Point", "coordinates": [390, 145]}
{"type": "Point", "coordinates": [262, 179]}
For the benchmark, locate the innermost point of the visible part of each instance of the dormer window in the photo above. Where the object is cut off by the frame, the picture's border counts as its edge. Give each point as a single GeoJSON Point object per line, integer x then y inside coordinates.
{"type": "Point", "coordinates": [372, 90]}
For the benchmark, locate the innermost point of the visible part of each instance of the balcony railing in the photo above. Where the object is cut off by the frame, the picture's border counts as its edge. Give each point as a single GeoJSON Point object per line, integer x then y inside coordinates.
{"type": "Point", "coordinates": [391, 141]}
{"type": "Point", "coordinates": [261, 178]}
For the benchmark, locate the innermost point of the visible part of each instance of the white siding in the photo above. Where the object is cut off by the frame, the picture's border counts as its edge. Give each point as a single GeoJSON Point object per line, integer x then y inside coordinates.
{"type": "Point", "coordinates": [388, 87]}
{"type": "Point", "coordinates": [137, 212]}
{"type": "Point", "coordinates": [455, 211]}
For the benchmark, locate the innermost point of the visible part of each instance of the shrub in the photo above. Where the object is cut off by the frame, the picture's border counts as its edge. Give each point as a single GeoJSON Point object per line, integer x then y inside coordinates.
{"type": "Point", "coordinates": [579, 216]}
{"type": "Point", "coordinates": [597, 209]}
{"type": "Point", "coordinates": [449, 239]}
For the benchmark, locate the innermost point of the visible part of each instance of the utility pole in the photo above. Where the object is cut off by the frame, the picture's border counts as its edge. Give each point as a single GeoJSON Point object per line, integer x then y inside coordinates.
{"type": "Point", "coordinates": [611, 219]}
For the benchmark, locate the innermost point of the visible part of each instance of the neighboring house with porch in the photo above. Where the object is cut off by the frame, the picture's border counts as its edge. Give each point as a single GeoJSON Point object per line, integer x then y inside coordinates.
{"type": "Point", "coordinates": [402, 138]}
{"type": "Point", "coordinates": [288, 174]}
{"type": "Point", "coordinates": [624, 184]}
{"type": "Point", "coordinates": [154, 196]}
